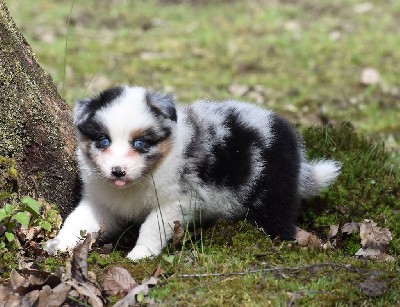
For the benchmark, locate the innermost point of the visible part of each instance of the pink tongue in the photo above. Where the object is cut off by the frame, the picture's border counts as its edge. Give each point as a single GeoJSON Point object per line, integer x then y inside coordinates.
{"type": "Point", "coordinates": [119, 183]}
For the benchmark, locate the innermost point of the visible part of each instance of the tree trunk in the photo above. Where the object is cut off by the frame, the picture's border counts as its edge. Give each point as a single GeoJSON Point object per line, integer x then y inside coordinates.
{"type": "Point", "coordinates": [37, 139]}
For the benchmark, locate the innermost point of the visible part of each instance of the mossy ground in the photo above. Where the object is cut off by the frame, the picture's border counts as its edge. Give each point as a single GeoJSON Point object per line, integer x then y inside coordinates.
{"type": "Point", "coordinates": [308, 57]}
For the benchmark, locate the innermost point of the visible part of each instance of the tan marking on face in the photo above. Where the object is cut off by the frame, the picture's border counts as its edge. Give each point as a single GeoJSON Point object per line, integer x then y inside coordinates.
{"type": "Point", "coordinates": [164, 147]}
{"type": "Point", "coordinates": [137, 134]}
{"type": "Point", "coordinates": [84, 144]}
{"type": "Point", "coordinates": [107, 151]}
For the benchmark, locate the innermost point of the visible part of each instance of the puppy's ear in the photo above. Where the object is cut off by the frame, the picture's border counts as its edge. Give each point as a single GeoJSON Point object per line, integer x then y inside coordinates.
{"type": "Point", "coordinates": [162, 104]}
{"type": "Point", "coordinates": [81, 111]}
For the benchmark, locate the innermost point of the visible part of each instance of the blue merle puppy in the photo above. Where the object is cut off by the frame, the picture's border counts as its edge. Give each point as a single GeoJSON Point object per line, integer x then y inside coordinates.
{"type": "Point", "coordinates": [144, 160]}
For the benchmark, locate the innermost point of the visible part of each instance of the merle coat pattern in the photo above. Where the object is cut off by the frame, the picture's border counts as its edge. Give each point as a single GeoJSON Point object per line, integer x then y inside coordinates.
{"type": "Point", "coordinates": [145, 160]}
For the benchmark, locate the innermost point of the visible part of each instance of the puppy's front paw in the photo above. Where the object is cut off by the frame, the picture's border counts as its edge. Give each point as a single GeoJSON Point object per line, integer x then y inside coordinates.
{"type": "Point", "coordinates": [51, 246]}
{"type": "Point", "coordinates": [56, 244]}
{"type": "Point", "coordinates": [140, 252]}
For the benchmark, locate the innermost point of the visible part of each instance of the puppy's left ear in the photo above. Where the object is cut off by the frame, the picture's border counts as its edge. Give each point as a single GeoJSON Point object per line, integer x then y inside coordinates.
{"type": "Point", "coordinates": [162, 104]}
{"type": "Point", "coordinates": [81, 112]}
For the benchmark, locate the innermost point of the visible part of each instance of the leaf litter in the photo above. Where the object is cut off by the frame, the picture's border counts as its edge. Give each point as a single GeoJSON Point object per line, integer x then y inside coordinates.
{"type": "Point", "coordinates": [28, 286]}
{"type": "Point", "coordinates": [374, 239]}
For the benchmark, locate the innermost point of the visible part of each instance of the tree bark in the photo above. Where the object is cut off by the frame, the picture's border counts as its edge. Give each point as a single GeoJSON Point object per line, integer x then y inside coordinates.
{"type": "Point", "coordinates": [36, 132]}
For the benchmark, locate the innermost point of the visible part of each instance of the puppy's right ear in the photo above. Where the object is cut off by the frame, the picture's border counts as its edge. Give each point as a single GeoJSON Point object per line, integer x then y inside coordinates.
{"type": "Point", "coordinates": [81, 111]}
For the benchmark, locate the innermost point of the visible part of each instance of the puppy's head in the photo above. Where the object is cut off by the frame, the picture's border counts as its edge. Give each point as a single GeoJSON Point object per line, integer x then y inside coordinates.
{"type": "Point", "coordinates": [125, 132]}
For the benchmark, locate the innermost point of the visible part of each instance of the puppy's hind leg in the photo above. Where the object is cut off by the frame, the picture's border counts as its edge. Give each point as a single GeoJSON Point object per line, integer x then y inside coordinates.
{"type": "Point", "coordinates": [277, 194]}
{"type": "Point", "coordinates": [277, 215]}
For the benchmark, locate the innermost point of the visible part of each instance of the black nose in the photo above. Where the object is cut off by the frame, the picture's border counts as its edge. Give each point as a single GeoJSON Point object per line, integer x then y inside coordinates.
{"type": "Point", "coordinates": [118, 172]}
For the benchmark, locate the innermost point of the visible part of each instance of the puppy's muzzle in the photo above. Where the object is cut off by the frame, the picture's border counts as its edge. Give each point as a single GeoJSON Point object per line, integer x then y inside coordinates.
{"type": "Point", "coordinates": [117, 172]}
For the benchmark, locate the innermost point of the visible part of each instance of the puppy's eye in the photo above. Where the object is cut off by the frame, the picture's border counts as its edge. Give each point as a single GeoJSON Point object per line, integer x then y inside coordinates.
{"type": "Point", "coordinates": [140, 145]}
{"type": "Point", "coordinates": [103, 143]}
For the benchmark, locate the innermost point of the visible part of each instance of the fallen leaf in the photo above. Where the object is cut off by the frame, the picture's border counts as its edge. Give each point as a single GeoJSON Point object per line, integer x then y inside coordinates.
{"type": "Point", "coordinates": [5, 293]}
{"type": "Point", "coordinates": [130, 298]}
{"type": "Point", "coordinates": [307, 239]}
{"type": "Point", "coordinates": [370, 76]}
{"type": "Point", "coordinates": [33, 287]}
{"type": "Point", "coordinates": [31, 297]}
{"type": "Point", "coordinates": [117, 280]}
{"type": "Point", "coordinates": [79, 266]}
{"type": "Point", "coordinates": [86, 291]}
{"type": "Point", "coordinates": [255, 96]}
{"type": "Point", "coordinates": [335, 36]}
{"type": "Point", "coordinates": [18, 282]}
{"type": "Point", "coordinates": [178, 234]}
{"type": "Point", "coordinates": [349, 228]}
{"type": "Point", "coordinates": [332, 236]}
{"type": "Point", "coordinates": [374, 241]}
{"type": "Point", "coordinates": [363, 8]}
{"type": "Point", "coordinates": [53, 297]}
{"type": "Point", "coordinates": [373, 236]}
{"type": "Point", "coordinates": [238, 90]}
{"type": "Point", "coordinates": [158, 271]}
{"type": "Point", "coordinates": [333, 231]}
{"type": "Point", "coordinates": [292, 26]}
{"type": "Point", "coordinates": [374, 254]}
{"type": "Point", "coordinates": [139, 293]}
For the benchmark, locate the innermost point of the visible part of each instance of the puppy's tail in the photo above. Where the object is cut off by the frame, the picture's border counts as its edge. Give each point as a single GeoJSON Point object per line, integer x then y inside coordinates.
{"type": "Point", "coordinates": [316, 175]}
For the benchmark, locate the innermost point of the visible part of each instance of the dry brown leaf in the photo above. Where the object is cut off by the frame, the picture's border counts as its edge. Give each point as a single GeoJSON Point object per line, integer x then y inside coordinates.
{"type": "Point", "coordinates": [79, 266]}
{"type": "Point", "coordinates": [158, 271]}
{"type": "Point", "coordinates": [18, 282]}
{"type": "Point", "coordinates": [307, 239]}
{"type": "Point", "coordinates": [117, 281]}
{"type": "Point", "coordinates": [31, 297]}
{"type": "Point", "coordinates": [374, 241]}
{"type": "Point", "coordinates": [133, 296]}
{"type": "Point", "coordinates": [7, 294]}
{"type": "Point", "coordinates": [86, 291]}
{"type": "Point", "coordinates": [373, 236]}
{"type": "Point", "coordinates": [349, 228]}
{"type": "Point", "coordinates": [53, 297]}
{"type": "Point", "coordinates": [178, 234]}
{"type": "Point", "coordinates": [238, 90]}
{"type": "Point", "coordinates": [370, 76]}
{"type": "Point", "coordinates": [130, 298]}
{"type": "Point", "coordinates": [333, 231]}
{"type": "Point", "coordinates": [32, 287]}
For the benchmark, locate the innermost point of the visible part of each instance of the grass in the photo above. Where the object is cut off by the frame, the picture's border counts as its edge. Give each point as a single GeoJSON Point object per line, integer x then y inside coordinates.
{"type": "Point", "coordinates": [308, 57]}
{"type": "Point", "coordinates": [301, 58]}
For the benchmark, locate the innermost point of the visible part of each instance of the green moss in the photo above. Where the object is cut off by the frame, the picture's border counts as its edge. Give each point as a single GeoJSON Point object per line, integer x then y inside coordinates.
{"type": "Point", "coordinates": [7, 262]}
{"type": "Point", "coordinates": [368, 187]}
{"type": "Point", "coordinates": [8, 175]}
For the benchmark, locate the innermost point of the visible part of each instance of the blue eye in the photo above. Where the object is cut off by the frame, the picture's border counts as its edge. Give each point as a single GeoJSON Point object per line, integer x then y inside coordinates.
{"type": "Point", "coordinates": [104, 143]}
{"type": "Point", "coordinates": [140, 145]}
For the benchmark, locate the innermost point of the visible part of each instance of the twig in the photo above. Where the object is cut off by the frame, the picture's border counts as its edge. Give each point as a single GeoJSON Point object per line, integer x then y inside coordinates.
{"type": "Point", "coordinates": [265, 270]}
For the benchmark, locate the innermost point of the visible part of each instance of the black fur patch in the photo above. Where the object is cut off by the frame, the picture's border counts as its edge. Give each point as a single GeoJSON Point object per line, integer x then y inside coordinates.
{"type": "Point", "coordinates": [92, 129]}
{"type": "Point", "coordinates": [230, 165]}
{"type": "Point", "coordinates": [89, 127]}
{"type": "Point", "coordinates": [104, 99]}
{"type": "Point", "coordinates": [156, 135]}
{"type": "Point", "coordinates": [276, 192]}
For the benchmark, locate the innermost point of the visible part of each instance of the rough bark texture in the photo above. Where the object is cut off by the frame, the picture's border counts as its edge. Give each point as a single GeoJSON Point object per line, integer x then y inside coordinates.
{"type": "Point", "coordinates": [36, 133]}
